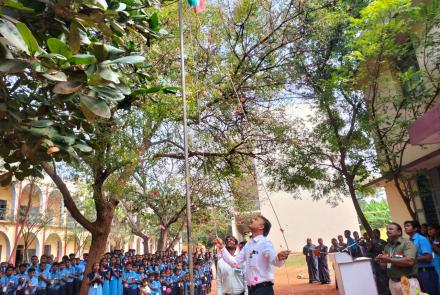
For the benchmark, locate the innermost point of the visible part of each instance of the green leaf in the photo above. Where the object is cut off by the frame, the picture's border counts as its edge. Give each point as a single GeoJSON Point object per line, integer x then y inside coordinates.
{"type": "Point", "coordinates": [171, 90]}
{"type": "Point", "coordinates": [83, 148]}
{"type": "Point", "coordinates": [67, 87]}
{"type": "Point", "coordinates": [11, 33]}
{"type": "Point", "coordinates": [38, 67]}
{"type": "Point", "coordinates": [68, 140]}
{"type": "Point", "coordinates": [153, 22]}
{"type": "Point", "coordinates": [28, 38]}
{"type": "Point", "coordinates": [54, 56]}
{"type": "Point", "coordinates": [82, 59]}
{"type": "Point", "coordinates": [107, 74]}
{"type": "Point", "coordinates": [106, 92]}
{"type": "Point", "coordinates": [132, 59]}
{"type": "Point", "coordinates": [74, 37]}
{"type": "Point", "coordinates": [113, 52]}
{"type": "Point", "coordinates": [11, 66]}
{"type": "Point", "coordinates": [45, 131]}
{"type": "Point", "coordinates": [42, 123]}
{"type": "Point", "coordinates": [117, 27]}
{"type": "Point", "coordinates": [95, 106]}
{"type": "Point", "coordinates": [154, 89]}
{"type": "Point", "coordinates": [55, 76]}
{"type": "Point", "coordinates": [59, 47]}
{"type": "Point", "coordinates": [17, 5]}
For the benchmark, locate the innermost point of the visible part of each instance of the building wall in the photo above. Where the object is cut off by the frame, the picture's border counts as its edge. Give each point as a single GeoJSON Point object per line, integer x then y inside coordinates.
{"type": "Point", "coordinates": [398, 210]}
{"type": "Point", "coordinates": [305, 218]}
{"type": "Point", "coordinates": [55, 237]}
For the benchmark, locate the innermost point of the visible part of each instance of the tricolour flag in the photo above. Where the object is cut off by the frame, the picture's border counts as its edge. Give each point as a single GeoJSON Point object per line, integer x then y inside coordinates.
{"type": "Point", "coordinates": [198, 5]}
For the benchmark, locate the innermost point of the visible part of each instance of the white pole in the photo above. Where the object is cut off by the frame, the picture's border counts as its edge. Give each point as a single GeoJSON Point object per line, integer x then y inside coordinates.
{"type": "Point", "coordinates": [185, 139]}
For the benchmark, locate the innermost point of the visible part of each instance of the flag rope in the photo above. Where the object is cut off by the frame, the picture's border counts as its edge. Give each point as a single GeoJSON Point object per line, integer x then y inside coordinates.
{"type": "Point", "coordinates": [256, 175]}
{"type": "Point", "coordinates": [185, 143]}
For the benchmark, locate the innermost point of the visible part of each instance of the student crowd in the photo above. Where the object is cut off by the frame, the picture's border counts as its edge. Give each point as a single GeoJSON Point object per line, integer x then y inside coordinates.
{"type": "Point", "coordinates": [400, 265]}
{"type": "Point", "coordinates": [116, 274]}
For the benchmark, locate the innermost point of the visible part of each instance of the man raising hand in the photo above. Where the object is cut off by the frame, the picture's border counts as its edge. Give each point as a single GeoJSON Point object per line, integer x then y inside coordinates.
{"type": "Point", "coordinates": [258, 256]}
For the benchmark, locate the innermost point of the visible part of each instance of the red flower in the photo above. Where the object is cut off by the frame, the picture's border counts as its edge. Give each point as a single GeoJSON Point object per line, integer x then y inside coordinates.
{"type": "Point", "coordinates": [155, 194]}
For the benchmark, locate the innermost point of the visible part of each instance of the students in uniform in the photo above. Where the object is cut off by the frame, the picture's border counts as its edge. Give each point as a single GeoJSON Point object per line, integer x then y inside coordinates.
{"type": "Point", "coordinates": [95, 280]}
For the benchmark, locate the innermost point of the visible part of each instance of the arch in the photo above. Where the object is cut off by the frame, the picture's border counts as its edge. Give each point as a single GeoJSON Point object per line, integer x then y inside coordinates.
{"type": "Point", "coordinates": [53, 246]}
{"type": "Point", "coordinates": [5, 247]}
{"type": "Point", "coordinates": [55, 206]}
{"type": "Point", "coordinates": [36, 197]}
{"type": "Point", "coordinates": [33, 248]}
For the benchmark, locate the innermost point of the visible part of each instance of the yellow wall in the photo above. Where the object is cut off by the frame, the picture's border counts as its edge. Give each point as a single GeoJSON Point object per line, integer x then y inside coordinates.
{"type": "Point", "coordinates": [399, 212]}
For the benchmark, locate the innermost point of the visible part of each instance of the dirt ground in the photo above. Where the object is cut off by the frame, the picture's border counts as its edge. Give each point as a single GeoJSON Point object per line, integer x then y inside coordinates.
{"type": "Point", "coordinates": [287, 283]}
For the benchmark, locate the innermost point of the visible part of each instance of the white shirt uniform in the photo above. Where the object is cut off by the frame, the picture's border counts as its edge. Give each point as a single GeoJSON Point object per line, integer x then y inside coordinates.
{"type": "Point", "coordinates": [230, 280]}
{"type": "Point", "coordinates": [259, 257]}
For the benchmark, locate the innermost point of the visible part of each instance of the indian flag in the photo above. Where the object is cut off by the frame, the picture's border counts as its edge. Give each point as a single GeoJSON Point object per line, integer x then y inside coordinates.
{"type": "Point", "coordinates": [198, 5]}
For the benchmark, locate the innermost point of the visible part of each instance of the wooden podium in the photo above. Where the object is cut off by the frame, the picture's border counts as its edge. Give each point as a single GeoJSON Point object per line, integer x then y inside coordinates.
{"type": "Point", "coordinates": [354, 276]}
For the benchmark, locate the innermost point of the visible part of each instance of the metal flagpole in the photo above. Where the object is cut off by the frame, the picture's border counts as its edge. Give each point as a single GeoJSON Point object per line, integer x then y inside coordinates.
{"type": "Point", "coordinates": [185, 139]}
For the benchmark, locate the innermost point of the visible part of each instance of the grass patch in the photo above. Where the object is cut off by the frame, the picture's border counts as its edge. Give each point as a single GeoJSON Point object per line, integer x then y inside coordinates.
{"type": "Point", "coordinates": [296, 259]}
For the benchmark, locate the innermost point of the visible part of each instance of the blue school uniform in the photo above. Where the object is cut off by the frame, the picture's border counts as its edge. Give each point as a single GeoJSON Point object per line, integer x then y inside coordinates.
{"type": "Point", "coordinates": [106, 286]}
{"type": "Point", "coordinates": [33, 284]}
{"type": "Point", "coordinates": [114, 280]}
{"type": "Point", "coordinates": [54, 286]}
{"type": "Point", "coordinates": [9, 284]}
{"type": "Point", "coordinates": [130, 285]}
{"type": "Point", "coordinates": [157, 286]}
{"type": "Point", "coordinates": [96, 287]}
{"type": "Point", "coordinates": [120, 285]}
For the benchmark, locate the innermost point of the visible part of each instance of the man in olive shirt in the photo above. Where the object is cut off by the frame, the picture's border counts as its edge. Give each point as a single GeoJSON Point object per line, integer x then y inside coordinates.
{"type": "Point", "coordinates": [399, 258]}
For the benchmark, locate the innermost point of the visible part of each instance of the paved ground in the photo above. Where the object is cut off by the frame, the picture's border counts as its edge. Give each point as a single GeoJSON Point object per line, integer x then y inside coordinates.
{"type": "Point", "coordinates": [288, 283]}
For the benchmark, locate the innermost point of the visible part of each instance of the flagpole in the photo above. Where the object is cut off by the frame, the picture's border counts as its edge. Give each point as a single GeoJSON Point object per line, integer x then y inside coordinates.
{"type": "Point", "coordinates": [185, 139]}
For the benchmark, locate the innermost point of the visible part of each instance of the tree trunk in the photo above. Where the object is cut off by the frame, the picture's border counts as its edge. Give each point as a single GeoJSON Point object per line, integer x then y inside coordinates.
{"type": "Point", "coordinates": [358, 209]}
{"type": "Point", "coordinates": [163, 239]}
{"type": "Point", "coordinates": [25, 250]}
{"type": "Point", "coordinates": [146, 239]}
{"type": "Point", "coordinates": [404, 197]}
{"type": "Point", "coordinates": [176, 238]}
{"type": "Point", "coordinates": [97, 250]}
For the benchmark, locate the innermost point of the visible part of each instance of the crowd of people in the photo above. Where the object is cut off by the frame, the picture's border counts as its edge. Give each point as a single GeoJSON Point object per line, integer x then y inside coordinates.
{"type": "Point", "coordinates": [117, 273]}
{"type": "Point", "coordinates": [400, 266]}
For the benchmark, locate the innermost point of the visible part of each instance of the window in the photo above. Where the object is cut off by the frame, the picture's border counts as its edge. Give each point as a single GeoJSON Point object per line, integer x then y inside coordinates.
{"type": "Point", "coordinates": [3, 205]}
{"type": "Point", "coordinates": [426, 194]}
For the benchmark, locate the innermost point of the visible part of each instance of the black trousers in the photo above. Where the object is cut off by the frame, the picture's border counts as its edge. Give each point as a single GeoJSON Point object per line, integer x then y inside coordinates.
{"type": "Point", "coordinates": [53, 291]}
{"type": "Point", "coordinates": [428, 280]}
{"type": "Point", "coordinates": [41, 292]}
{"type": "Point", "coordinates": [267, 290]}
{"type": "Point", "coordinates": [76, 286]}
{"type": "Point", "coordinates": [69, 288]}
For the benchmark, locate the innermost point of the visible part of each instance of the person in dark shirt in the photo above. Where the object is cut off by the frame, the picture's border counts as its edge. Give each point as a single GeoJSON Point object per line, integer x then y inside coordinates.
{"type": "Point", "coordinates": [324, 275]}
{"type": "Point", "coordinates": [311, 260]}
{"type": "Point", "coordinates": [376, 247]}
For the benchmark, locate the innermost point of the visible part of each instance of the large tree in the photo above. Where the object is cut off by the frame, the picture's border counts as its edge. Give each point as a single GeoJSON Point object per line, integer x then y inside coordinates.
{"type": "Point", "coordinates": [398, 73]}
{"type": "Point", "coordinates": [80, 94]}
{"type": "Point", "coordinates": [332, 150]}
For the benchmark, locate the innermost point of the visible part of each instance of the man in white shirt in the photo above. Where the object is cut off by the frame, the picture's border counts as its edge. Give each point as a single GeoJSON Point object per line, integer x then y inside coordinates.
{"type": "Point", "coordinates": [230, 281]}
{"type": "Point", "coordinates": [258, 256]}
